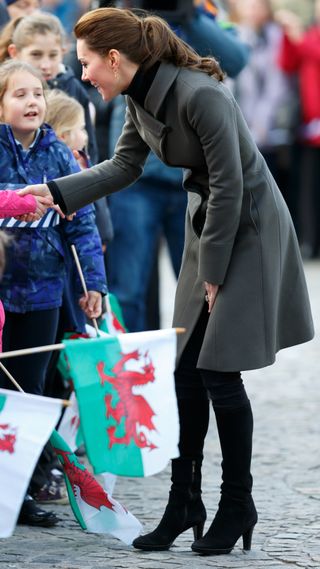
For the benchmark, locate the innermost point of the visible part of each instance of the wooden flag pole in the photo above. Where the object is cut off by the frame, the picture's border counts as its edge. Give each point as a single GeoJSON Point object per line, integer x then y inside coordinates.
{"type": "Point", "coordinates": [28, 351]}
{"type": "Point", "coordinates": [49, 348]}
{"type": "Point", "coordinates": [8, 374]}
{"type": "Point", "coordinates": [64, 402]}
{"type": "Point", "coordinates": [83, 282]}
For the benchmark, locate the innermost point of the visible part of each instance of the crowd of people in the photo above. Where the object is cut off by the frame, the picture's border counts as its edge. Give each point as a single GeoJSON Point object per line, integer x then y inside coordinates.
{"type": "Point", "coordinates": [266, 69]}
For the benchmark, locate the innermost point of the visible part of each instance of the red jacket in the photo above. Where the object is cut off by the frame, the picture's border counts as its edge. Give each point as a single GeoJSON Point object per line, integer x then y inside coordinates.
{"type": "Point", "coordinates": [304, 58]}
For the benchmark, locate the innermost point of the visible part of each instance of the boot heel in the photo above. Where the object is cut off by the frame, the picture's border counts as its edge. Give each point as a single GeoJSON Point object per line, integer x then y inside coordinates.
{"type": "Point", "coordinates": [247, 538]}
{"type": "Point", "coordinates": [198, 530]}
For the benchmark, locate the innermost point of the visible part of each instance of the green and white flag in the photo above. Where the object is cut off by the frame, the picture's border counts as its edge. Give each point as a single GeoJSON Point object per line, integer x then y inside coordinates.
{"type": "Point", "coordinates": [26, 423]}
{"type": "Point", "coordinates": [112, 320]}
{"type": "Point", "coordinates": [126, 396]}
{"type": "Point", "coordinates": [69, 428]}
{"type": "Point", "coordinates": [93, 507]}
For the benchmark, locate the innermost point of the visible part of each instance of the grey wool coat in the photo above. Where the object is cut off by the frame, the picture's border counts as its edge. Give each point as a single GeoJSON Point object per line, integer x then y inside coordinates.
{"type": "Point", "coordinates": [239, 233]}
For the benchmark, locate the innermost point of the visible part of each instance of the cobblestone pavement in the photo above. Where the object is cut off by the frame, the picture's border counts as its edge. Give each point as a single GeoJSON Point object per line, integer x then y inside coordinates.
{"type": "Point", "coordinates": [286, 470]}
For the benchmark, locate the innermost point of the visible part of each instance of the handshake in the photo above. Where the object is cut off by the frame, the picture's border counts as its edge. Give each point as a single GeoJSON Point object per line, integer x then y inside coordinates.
{"type": "Point", "coordinates": [38, 200]}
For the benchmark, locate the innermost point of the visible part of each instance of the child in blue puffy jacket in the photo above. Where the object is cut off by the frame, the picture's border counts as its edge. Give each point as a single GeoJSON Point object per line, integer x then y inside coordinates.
{"type": "Point", "coordinates": [33, 280]}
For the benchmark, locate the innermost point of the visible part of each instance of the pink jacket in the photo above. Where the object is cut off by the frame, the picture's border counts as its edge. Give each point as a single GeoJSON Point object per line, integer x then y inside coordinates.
{"type": "Point", "coordinates": [11, 204]}
{"type": "Point", "coordinates": [2, 319]}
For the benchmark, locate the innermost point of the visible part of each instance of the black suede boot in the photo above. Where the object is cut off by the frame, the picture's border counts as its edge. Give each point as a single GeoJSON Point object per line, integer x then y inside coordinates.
{"type": "Point", "coordinates": [185, 508]}
{"type": "Point", "coordinates": [236, 515]}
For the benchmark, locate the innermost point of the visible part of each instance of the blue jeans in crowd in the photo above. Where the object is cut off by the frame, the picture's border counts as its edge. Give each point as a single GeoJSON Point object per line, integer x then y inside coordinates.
{"type": "Point", "coordinates": [141, 215]}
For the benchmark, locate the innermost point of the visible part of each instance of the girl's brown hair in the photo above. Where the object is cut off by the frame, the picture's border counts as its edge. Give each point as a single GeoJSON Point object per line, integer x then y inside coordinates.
{"type": "Point", "coordinates": [6, 38]}
{"type": "Point", "coordinates": [143, 39]}
{"type": "Point", "coordinates": [12, 66]}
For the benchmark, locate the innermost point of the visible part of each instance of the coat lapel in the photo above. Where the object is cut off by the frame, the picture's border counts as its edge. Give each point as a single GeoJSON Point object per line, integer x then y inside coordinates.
{"type": "Point", "coordinates": [162, 82]}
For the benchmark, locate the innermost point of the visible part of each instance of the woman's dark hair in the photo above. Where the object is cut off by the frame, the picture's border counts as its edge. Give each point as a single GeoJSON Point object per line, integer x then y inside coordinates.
{"type": "Point", "coordinates": [143, 39]}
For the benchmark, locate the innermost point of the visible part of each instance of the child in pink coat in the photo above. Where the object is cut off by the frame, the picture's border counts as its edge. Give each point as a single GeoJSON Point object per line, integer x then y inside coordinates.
{"type": "Point", "coordinates": [11, 204]}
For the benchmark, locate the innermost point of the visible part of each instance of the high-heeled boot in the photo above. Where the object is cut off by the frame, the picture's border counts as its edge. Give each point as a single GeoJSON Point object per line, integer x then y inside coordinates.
{"type": "Point", "coordinates": [236, 515]}
{"type": "Point", "coordinates": [184, 510]}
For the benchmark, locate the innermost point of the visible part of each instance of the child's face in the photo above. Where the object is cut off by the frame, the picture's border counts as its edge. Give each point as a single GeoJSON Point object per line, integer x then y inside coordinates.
{"type": "Point", "coordinates": [45, 53]}
{"type": "Point", "coordinates": [23, 105]}
{"type": "Point", "coordinates": [76, 138]}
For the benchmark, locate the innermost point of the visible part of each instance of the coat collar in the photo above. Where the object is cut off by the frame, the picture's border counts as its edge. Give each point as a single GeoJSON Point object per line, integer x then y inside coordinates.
{"type": "Point", "coordinates": [161, 84]}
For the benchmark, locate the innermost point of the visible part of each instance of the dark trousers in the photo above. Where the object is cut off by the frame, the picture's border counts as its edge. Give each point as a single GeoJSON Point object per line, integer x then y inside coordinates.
{"type": "Point", "coordinates": [196, 387]}
{"type": "Point", "coordinates": [225, 389]}
{"type": "Point", "coordinates": [37, 328]}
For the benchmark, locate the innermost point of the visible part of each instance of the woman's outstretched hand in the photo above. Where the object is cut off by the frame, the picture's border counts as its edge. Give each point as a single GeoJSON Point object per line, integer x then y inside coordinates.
{"type": "Point", "coordinates": [40, 190]}
{"type": "Point", "coordinates": [43, 196]}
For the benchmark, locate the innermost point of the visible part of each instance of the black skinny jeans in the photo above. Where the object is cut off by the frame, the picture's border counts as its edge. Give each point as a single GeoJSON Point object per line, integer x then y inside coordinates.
{"type": "Point", "coordinates": [37, 328]}
{"type": "Point", "coordinates": [195, 387]}
{"type": "Point", "coordinates": [225, 389]}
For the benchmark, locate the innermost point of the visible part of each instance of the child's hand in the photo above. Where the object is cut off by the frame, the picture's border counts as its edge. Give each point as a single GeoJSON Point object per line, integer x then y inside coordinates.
{"type": "Point", "coordinates": [42, 205]}
{"type": "Point", "coordinates": [91, 304]}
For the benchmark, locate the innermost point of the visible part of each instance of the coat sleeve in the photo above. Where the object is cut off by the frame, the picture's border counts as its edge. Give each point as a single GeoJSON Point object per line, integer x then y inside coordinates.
{"type": "Point", "coordinates": [110, 176]}
{"type": "Point", "coordinates": [212, 114]}
{"type": "Point", "coordinates": [289, 56]}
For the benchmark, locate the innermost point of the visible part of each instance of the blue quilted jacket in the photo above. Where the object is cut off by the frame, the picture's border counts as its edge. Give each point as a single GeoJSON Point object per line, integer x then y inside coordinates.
{"type": "Point", "coordinates": [37, 258]}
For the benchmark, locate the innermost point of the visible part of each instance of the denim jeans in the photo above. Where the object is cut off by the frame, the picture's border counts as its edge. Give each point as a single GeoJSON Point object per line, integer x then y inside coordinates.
{"type": "Point", "coordinates": [141, 215]}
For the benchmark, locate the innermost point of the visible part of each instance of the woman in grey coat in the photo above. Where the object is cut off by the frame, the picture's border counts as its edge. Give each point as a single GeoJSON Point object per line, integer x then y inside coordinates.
{"type": "Point", "coordinates": [241, 293]}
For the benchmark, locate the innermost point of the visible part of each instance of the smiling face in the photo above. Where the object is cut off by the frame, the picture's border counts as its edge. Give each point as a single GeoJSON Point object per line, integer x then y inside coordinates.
{"type": "Point", "coordinates": [110, 74]}
{"type": "Point", "coordinates": [23, 106]}
{"type": "Point", "coordinates": [44, 52]}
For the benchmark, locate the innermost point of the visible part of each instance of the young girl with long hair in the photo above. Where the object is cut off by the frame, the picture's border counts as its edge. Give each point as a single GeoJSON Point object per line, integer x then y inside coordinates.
{"type": "Point", "coordinates": [33, 279]}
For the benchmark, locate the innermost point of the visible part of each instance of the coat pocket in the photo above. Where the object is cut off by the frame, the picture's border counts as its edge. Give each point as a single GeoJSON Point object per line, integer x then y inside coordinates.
{"type": "Point", "coordinates": [254, 214]}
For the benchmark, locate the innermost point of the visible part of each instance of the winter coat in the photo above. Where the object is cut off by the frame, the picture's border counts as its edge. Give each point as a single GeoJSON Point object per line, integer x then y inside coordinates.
{"type": "Point", "coordinates": [35, 270]}
{"type": "Point", "coordinates": [239, 233]}
{"type": "Point", "coordinates": [207, 37]}
{"type": "Point", "coordinates": [67, 81]}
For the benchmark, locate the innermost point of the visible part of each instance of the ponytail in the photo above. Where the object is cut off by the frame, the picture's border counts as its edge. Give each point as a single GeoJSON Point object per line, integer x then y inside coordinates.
{"type": "Point", "coordinates": [143, 39]}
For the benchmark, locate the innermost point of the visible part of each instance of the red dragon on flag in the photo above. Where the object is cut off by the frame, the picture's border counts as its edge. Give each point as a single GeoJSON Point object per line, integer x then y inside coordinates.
{"type": "Point", "coordinates": [135, 410]}
{"type": "Point", "coordinates": [7, 438]}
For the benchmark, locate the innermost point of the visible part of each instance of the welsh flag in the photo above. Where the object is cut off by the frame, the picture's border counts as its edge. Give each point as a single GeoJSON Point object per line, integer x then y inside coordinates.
{"type": "Point", "coordinates": [95, 510]}
{"type": "Point", "coordinates": [26, 423]}
{"type": "Point", "coordinates": [69, 428]}
{"type": "Point", "coordinates": [112, 320]}
{"type": "Point", "coordinates": [125, 390]}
